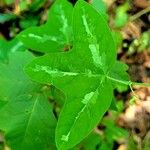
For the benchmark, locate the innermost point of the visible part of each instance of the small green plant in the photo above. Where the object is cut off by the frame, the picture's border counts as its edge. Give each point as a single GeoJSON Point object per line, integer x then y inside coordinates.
{"type": "Point", "coordinates": [79, 59]}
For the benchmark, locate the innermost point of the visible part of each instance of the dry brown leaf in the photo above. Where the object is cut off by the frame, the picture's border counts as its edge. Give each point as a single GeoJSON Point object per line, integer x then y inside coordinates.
{"type": "Point", "coordinates": [142, 3]}
{"type": "Point", "coordinates": [137, 117]}
{"type": "Point", "coordinates": [131, 30]}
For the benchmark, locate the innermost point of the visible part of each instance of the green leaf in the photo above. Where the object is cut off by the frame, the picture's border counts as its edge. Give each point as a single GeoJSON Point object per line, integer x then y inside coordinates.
{"type": "Point", "coordinates": [28, 123]}
{"type": "Point", "coordinates": [23, 5]}
{"type": "Point", "coordinates": [26, 115]}
{"type": "Point", "coordinates": [111, 134]}
{"type": "Point", "coordinates": [87, 110]}
{"type": "Point", "coordinates": [36, 4]}
{"type": "Point", "coordinates": [104, 145]}
{"type": "Point", "coordinates": [94, 31]}
{"type": "Point", "coordinates": [12, 76]}
{"type": "Point", "coordinates": [57, 95]}
{"type": "Point", "coordinates": [28, 21]}
{"type": "Point", "coordinates": [8, 2]}
{"type": "Point", "coordinates": [146, 144]}
{"type": "Point", "coordinates": [132, 145]}
{"type": "Point", "coordinates": [91, 141]}
{"type": "Point", "coordinates": [118, 38]}
{"type": "Point", "coordinates": [88, 97]}
{"type": "Point", "coordinates": [81, 75]}
{"type": "Point", "coordinates": [121, 17]}
{"type": "Point", "coordinates": [9, 46]}
{"type": "Point", "coordinates": [56, 34]}
{"type": "Point", "coordinates": [119, 72]}
{"type": "Point", "coordinates": [7, 17]}
{"type": "Point", "coordinates": [100, 6]}
{"type": "Point", "coordinates": [113, 105]}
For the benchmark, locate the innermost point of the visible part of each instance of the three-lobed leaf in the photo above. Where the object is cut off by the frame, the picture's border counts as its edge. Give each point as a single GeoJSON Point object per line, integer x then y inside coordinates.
{"type": "Point", "coordinates": [9, 46]}
{"type": "Point", "coordinates": [81, 74]}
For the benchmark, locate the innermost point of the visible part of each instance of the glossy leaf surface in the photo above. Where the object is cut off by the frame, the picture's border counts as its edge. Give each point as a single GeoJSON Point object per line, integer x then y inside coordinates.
{"type": "Point", "coordinates": [56, 34]}
{"type": "Point", "coordinates": [81, 75]}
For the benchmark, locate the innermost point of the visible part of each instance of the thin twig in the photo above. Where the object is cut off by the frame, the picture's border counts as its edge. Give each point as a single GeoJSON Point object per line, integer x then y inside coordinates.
{"type": "Point", "coordinates": [139, 14]}
{"type": "Point", "coordinates": [129, 82]}
{"type": "Point", "coordinates": [134, 94]}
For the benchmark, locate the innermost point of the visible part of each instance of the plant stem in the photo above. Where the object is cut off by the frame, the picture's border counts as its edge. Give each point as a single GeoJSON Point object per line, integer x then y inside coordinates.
{"type": "Point", "coordinates": [140, 13]}
{"type": "Point", "coordinates": [119, 81]}
{"type": "Point", "coordinates": [134, 94]}
{"type": "Point", "coordinates": [141, 84]}
{"type": "Point", "coordinates": [129, 83]}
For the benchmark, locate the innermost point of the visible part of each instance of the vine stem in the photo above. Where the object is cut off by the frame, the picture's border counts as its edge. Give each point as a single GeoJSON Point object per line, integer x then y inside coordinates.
{"type": "Point", "coordinates": [141, 84]}
{"type": "Point", "coordinates": [133, 93]}
{"type": "Point", "coordinates": [129, 83]}
{"type": "Point", "coordinates": [139, 14]}
{"type": "Point", "coordinates": [119, 81]}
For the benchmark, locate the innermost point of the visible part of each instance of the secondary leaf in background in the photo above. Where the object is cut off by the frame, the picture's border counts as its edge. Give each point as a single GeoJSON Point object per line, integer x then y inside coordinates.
{"type": "Point", "coordinates": [8, 2]}
{"type": "Point", "coordinates": [36, 4]}
{"type": "Point", "coordinates": [121, 17]}
{"type": "Point", "coordinates": [9, 46]}
{"type": "Point", "coordinates": [7, 17]}
{"type": "Point", "coordinates": [132, 145]}
{"type": "Point", "coordinates": [140, 44]}
{"type": "Point", "coordinates": [91, 142]}
{"type": "Point", "coordinates": [117, 36]}
{"type": "Point", "coordinates": [81, 75]}
{"type": "Point", "coordinates": [113, 104]}
{"type": "Point", "coordinates": [100, 6]}
{"type": "Point", "coordinates": [111, 132]}
{"type": "Point", "coordinates": [29, 21]}
{"type": "Point", "coordinates": [119, 72]}
{"type": "Point", "coordinates": [26, 115]}
{"type": "Point", "coordinates": [56, 34]}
